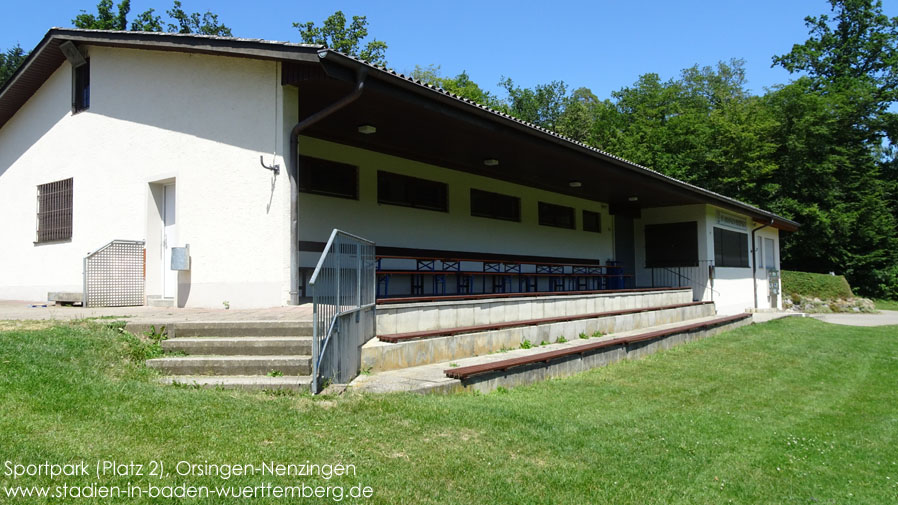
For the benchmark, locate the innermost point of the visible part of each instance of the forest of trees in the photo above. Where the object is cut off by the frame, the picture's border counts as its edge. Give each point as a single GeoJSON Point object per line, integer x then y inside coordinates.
{"type": "Point", "coordinates": [820, 149]}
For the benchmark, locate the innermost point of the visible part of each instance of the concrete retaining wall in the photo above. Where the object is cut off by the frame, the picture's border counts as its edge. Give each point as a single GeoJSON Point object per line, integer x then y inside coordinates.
{"type": "Point", "coordinates": [408, 317]}
{"type": "Point", "coordinates": [380, 356]}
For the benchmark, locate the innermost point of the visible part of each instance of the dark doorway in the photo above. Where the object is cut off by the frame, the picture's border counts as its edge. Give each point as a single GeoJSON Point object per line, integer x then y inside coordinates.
{"type": "Point", "coordinates": [624, 247]}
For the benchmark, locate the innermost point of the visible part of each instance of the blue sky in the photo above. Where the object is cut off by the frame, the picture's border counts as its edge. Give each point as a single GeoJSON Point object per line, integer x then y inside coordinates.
{"type": "Point", "coordinates": [603, 45]}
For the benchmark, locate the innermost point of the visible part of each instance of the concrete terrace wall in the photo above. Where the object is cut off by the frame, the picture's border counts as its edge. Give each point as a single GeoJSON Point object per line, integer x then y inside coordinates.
{"type": "Point", "coordinates": [380, 356]}
{"type": "Point", "coordinates": [456, 230]}
{"type": "Point", "coordinates": [407, 317]}
{"type": "Point", "coordinates": [197, 120]}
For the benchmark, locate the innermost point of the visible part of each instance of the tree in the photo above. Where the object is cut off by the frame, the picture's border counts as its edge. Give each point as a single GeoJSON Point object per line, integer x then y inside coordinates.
{"type": "Point", "coordinates": [10, 62]}
{"type": "Point", "coordinates": [335, 34]}
{"type": "Point", "coordinates": [851, 81]}
{"type": "Point", "coordinates": [148, 21]}
{"type": "Point", "coordinates": [461, 85]}
{"type": "Point", "coordinates": [579, 115]}
{"type": "Point", "coordinates": [543, 105]}
{"type": "Point", "coordinates": [105, 19]}
{"type": "Point", "coordinates": [206, 24]}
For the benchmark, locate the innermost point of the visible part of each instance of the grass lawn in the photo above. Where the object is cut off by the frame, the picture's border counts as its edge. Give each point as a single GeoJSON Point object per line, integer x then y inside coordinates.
{"type": "Point", "coordinates": [886, 304]}
{"type": "Point", "coordinates": [792, 411]}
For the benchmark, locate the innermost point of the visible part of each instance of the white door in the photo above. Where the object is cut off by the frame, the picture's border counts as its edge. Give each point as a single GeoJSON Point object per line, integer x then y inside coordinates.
{"type": "Point", "coordinates": [169, 240]}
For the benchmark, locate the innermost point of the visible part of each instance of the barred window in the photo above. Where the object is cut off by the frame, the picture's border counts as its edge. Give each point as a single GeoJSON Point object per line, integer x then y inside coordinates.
{"type": "Point", "coordinates": [730, 248]}
{"type": "Point", "coordinates": [396, 189]}
{"type": "Point", "coordinates": [323, 177]}
{"type": "Point", "coordinates": [54, 211]}
{"type": "Point", "coordinates": [592, 221]}
{"type": "Point", "coordinates": [671, 245]}
{"type": "Point", "coordinates": [495, 205]}
{"type": "Point", "coordinates": [556, 215]}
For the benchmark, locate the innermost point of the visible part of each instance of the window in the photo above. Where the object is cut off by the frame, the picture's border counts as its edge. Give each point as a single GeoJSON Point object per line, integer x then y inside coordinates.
{"type": "Point", "coordinates": [323, 177]}
{"type": "Point", "coordinates": [81, 95]}
{"type": "Point", "coordinates": [556, 215]}
{"type": "Point", "coordinates": [395, 189]}
{"type": "Point", "coordinates": [54, 211]}
{"type": "Point", "coordinates": [730, 248]}
{"type": "Point", "coordinates": [495, 205]}
{"type": "Point", "coordinates": [671, 245]}
{"type": "Point", "coordinates": [769, 254]}
{"type": "Point", "coordinates": [592, 221]}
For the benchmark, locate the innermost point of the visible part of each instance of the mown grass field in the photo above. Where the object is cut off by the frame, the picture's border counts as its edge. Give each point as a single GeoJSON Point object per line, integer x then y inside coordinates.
{"type": "Point", "coordinates": [792, 411]}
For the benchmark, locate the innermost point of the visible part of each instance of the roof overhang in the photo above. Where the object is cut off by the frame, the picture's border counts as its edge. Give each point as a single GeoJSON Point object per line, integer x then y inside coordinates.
{"type": "Point", "coordinates": [413, 120]}
{"type": "Point", "coordinates": [418, 121]}
{"type": "Point", "coordinates": [47, 56]}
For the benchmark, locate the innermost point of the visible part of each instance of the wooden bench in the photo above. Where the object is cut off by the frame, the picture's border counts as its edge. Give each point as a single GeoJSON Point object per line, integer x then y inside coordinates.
{"type": "Point", "coordinates": [465, 372]}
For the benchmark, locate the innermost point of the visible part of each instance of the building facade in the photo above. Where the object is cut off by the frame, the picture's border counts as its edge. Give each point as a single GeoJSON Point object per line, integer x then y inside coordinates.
{"type": "Point", "coordinates": [171, 140]}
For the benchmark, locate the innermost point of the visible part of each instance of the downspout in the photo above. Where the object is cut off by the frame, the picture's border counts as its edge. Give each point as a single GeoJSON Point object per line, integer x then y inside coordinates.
{"type": "Point", "coordinates": [361, 73]}
{"type": "Point", "coordinates": [754, 262]}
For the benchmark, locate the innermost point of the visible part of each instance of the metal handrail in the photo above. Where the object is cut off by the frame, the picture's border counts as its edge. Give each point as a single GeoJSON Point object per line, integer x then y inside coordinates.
{"type": "Point", "coordinates": [691, 282]}
{"type": "Point", "coordinates": [346, 259]}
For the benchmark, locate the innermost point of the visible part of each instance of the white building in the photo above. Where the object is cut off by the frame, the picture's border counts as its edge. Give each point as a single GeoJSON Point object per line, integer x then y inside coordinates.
{"type": "Point", "coordinates": [158, 138]}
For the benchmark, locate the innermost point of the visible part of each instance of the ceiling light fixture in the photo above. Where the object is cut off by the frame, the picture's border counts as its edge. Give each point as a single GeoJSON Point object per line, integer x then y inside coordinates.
{"type": "Point", "coordinates": [367, 129]}
{"type": "Point", "coordinates": [575, 184]}
{"type": "Point", "coordinates": [633, 198]}
{"type": "Point", "coordinates": [491, 162]}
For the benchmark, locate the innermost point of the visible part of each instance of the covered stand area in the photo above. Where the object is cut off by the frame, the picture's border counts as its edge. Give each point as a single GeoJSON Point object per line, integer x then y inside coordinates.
{"type": "Point", "coordinates": [463, 200]}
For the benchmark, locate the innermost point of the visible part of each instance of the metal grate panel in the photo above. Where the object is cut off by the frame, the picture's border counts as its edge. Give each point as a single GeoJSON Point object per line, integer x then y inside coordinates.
{"type": "Point", "coordinates": [114, 275]}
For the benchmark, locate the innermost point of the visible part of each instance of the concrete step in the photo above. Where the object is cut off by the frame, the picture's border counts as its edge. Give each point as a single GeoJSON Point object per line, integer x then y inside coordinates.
{"type": "Point", "coordinates": [233, 365]}
{"type": "Point", "coordinates": [241, 329]}
{"type": "Point", "coordinates": [235, 346]}
{"type": "Point", "coordinates": [247, 382]}
{"type": "Point", "coordinates": [380, 356]}
{"type": "Point", "coordinates": [156, 301]}
{"type": "Point", "coordinates": [433, 378]}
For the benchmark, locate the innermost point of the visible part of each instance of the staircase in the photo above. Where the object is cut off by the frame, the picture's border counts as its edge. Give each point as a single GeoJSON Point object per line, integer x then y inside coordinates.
{"type": "Point", "coordinates": [485, 344]}
{"type": "Point", "coordinates": [255, 355]}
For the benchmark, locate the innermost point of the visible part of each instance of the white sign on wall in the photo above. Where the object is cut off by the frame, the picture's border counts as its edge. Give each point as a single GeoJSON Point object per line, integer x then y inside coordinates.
{"type": "Point", "coordinates": [731, 220]}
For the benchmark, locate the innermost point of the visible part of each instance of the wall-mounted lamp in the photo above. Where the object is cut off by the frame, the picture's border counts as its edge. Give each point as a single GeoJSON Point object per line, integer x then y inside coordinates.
{"type": "Point", "coordinates": [491, 162]}
{"type": "Point", "coordinates": [575, 184]}
{"type": "Point", "coordinates": [367, 129]}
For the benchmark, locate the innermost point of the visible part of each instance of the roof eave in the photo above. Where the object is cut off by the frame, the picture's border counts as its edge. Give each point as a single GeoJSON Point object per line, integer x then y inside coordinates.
{"type": "Point", "coordinates": [760, 215]}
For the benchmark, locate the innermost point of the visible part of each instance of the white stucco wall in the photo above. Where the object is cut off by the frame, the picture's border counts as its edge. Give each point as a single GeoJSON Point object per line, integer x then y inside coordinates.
{"type": "Point", "coordinates": [732, 289]}
{"type": "Point", "coordinates": [456, 230]}
{"type": "Point", "coordinates": [199, 120]}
